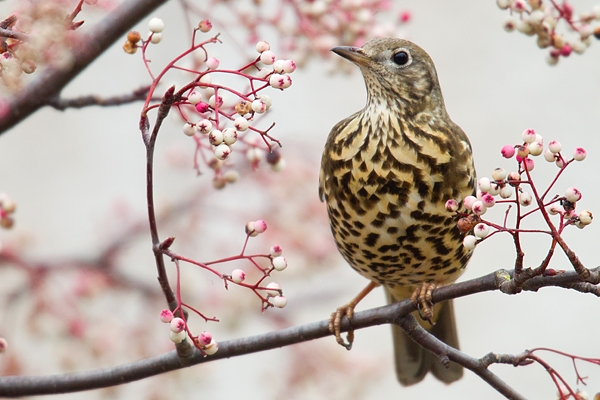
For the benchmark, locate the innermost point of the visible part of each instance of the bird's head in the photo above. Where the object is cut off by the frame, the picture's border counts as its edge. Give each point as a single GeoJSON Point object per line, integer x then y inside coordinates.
{"type": "Point", "coordinates": [396, 70]}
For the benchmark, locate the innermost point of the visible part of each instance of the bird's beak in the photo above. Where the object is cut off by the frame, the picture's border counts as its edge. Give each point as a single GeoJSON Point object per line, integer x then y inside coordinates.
{"type": "Point", "coordinates": [354, 54]}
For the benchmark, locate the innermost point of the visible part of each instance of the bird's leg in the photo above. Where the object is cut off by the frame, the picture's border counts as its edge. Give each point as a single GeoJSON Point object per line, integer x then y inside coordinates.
{"type": "Point", "coordinates": [335, 321]}
{"type": "Point", "coordinates": [421, 298]}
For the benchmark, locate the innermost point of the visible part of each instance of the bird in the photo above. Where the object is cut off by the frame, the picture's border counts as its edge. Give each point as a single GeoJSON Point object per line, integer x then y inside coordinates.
{"type": "Point", "coordinates": [386, 174]}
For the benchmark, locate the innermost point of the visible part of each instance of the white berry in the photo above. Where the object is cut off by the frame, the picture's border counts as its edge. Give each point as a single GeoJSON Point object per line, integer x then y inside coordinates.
{"type": "Point", "coordinates": [469, 242]}
{"type": "Point", "coordinates": [279, 301]}
{"type": "Point", "coordinates": [238, 275]}
{"type": "Point", "coordinates": [572, 194]}
{"type": "Point", "coordinates": [273, 289]}
{"type": "Point", "coordinates": [279, 263]}
{"type": "Point", "coordinates": [156, 25]}
{"type": "Point", "coordinates": [481, 230]}
{"type": "Point", "coordinates": [222, 151]}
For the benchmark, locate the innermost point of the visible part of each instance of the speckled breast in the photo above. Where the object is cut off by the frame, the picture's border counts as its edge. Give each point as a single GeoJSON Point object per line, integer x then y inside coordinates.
{"type": "Point", "coordinates": [385, 184]}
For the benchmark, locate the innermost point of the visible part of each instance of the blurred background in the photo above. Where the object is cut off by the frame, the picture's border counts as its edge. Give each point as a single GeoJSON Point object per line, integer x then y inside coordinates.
{"type": "Point", "coordinates": [78, 283]}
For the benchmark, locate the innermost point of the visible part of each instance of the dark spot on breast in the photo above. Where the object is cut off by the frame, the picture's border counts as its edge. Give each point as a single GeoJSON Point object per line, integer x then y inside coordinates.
{"type": "Point", "coordinates": [368, 255]}
{"type": "Point", "coordinates": [450, 271]}
{"type": "Point", "coordinates": [371, 239]}
{"type": "Point", "coordinates": [386, 248]}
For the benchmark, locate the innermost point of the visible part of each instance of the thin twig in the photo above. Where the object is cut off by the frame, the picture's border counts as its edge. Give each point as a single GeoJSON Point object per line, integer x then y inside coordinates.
{"type": "Point", "coordinates": [95, 100]}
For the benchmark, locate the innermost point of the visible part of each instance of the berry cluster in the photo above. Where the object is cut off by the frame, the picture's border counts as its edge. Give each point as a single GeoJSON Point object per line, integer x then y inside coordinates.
{"type": "Point", "coordinates": [221, 118]}
{"type": "Point", "coordinates": [179, 330]}
{"type": "Point", "coordinates": [38, 33]}
{"type": "Point", "coordinates": [271, 294]}
{"type": "Point", "coordinates": [311, 28]}
{"type": "Point", "coordinates": [541, 18]}
{"type": "Point", "coordinates": [517, 188]}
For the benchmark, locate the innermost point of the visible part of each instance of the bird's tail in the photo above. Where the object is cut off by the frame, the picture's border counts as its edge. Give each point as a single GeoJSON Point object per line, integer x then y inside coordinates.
{"type": "Point", "coordinates": [414, 362]}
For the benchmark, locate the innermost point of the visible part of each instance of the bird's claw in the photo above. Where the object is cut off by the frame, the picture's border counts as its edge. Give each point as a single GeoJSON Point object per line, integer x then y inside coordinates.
{"type": "Point", "coordinates": [335, 325]}
{"type": "Point", "coordinates": [421, 298]}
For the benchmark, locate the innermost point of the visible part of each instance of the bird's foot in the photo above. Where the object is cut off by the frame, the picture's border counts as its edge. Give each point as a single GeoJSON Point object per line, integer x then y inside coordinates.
{"type": "Point", "coordinates": [421, 298]}
{"type": "Point", "coordinates": [335, 321]}
{"type": "Point", "coordinates": [335, 324]}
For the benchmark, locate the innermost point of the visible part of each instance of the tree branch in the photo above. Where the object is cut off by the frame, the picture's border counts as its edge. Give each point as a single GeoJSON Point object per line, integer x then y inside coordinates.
{"type": "Point", "coordinates": [86, 48]}
{"type": "Point", "coordinates": [13, 386]}
{"type": "Point", "coordinates": [94, 100]}
{"type": "Point", "coordinates": [409, 324]}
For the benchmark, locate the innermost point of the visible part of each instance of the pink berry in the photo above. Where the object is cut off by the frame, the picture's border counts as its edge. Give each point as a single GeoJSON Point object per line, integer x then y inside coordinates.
{"type": "Point", "coordinates": [260, 226]}
{"type": "Point", "coordinates": [262, 46]}
{"type": "Point", "coordinates": [525, 199]}
{"type": "Point", "coordinates": [469, 201]}
{"type": "Point", "coordinates": [212, 63]}
{"type": "Point", "coordinates": [549, 156]}
{"type": "Point", "coordinates": [204, 338]}
{"type": "Point", "coordinates": [528, 136]}
{"type": "Point", "coordinates": [478, 208]}
{"type": "Point", "coordinates": [579, 154]}
{"type": "Point", "coordinates": [166, 316]}
{"type": "Point", "coordinates": [573, 194]}
{"type": "Point", "coordinates": [277, 81]}
{"type": "Point", "coordinates": [404, 16]}
{"type": "Point", "coordinates": [452, 205]}
{"type": "Point", "coordinates": [267, 57]}
{"type": "Point", "coordinates": [528, 164]}
{"type": "Point", "coordinates": [177, 325]}
{"type": "Point", "coordinates": [488, 200]}
{"type": "Point", "coordinates": [481, 230]}
{"type": "Point", "coordinates": [205, 26]}
{"type": "Point", "coordinates": [554, 146]}
{"type": "Point", "coordinates": [289, 66]}
{"type": "Point", "coordinates": [508, 151]}
{"type": "Point", "coordinates": [202, 107]}
{"type": "Point", "coordinates": [275, 251]}
{"type": "Point", "coordinates": [238, 275]}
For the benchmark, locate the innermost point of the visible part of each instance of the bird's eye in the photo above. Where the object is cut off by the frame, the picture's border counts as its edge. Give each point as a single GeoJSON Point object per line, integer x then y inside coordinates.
{"type": "Point", "coordinates": [401, 57]}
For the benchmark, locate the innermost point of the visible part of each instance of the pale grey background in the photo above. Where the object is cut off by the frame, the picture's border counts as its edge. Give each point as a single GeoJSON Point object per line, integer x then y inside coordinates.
{"type": "Point", "coordinates": [65, 169]}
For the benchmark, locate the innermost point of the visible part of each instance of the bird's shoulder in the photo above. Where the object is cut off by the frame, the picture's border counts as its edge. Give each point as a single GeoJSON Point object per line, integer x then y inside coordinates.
{"type": "Point", "coordinates": [340, 135]}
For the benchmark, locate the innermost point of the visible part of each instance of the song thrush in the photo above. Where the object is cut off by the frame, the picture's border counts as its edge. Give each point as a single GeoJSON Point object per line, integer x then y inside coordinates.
{"type": "Point", "coordinates": [386, 174]}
